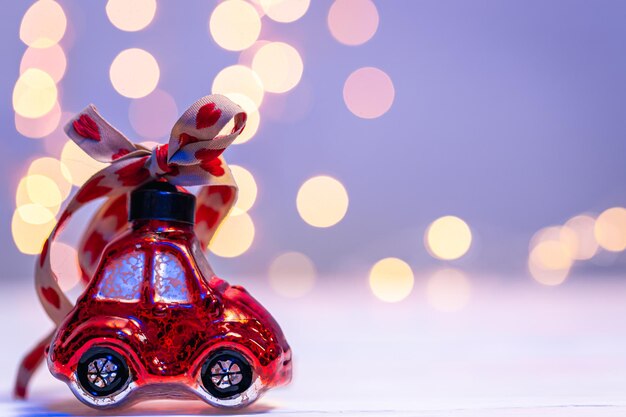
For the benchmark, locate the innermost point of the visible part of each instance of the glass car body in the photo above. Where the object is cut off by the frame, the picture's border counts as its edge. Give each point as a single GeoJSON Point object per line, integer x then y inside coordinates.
{"type": "Point", "coordinates": [156, 322]}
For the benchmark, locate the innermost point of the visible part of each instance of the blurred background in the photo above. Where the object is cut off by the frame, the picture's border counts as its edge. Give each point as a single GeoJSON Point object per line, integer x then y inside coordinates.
{"type": "Point", "coordinates": [426, 161]}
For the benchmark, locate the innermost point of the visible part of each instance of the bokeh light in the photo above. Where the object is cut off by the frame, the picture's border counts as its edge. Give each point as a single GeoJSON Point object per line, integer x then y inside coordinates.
{"type": "Point", "coordinates": [43, 24]}
{"type": "Point", "coordinates": [233, 237]}
{"type": "Point", "coordinates": [35, 93]}
{"type": "Point", "coordinates": [549, 277]}
{"type": "Point", "coordinates": [41, 126]}
{"type": "Point", "coordinates": [353, 22]}
{"type": "Point", "coordinates": [40, 190]}
{"type": "Point", "coordinates": [34, 213]}
{"type": "Point", "coordinates": [551, 254]}
{"type": "Point", "coordinates": [610, 229]}
{"type": "Point", "coordinates": [131, 16]}
{"type": "Point", "coordinates": [285, 11]}
{"type": "Point", "coordinates": [29, 237]}
{"type": "Point", "coordinates": [448, 290]}
{"type": "Point", "coordinates": [80, 165]}
{"type": "Point", "coordinates": [586, 244]}
{"type": "Point", "coordinates": [154, 115]}
{"type": "Point", "coordinates": [279, 66]}
{"type": "Point", "coordinates": [239, 79]}
{"type": "Point", "coordinates": [322, 201]}
{"type": "Point", "coordinates": [235, 25]}
{"type": "Point", "coordinates": [368, 93]}
{"type": "Point", "coordinates": [134, 73]}
{"type": "Point", "coordinates": [56, 171]}
{"type": "Point", "coordinates": [545, 234]}
{"type": "Point", "coordinates": [448, 238]}
{"type": "Point", "coordinates": [391, 280]}
{"type": "Point", "coordinates": [292, 274]}
{"type": "Point", "coordinates": [247, 190]}
{"type": "Point", "coordinates": [64, 263]}
{"type": "Point", "coordinates": [51, 60]}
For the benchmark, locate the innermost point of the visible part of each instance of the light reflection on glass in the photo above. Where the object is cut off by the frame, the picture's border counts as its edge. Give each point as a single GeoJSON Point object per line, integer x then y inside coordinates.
{"type": "Point", "coordinates": [169, 280]}
{"type": "Point", "coordinates": [122, 278]}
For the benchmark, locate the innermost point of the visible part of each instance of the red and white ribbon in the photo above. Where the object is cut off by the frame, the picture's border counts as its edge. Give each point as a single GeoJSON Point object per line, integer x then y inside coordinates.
{"type": "Point", "coordinates": [191, 158]}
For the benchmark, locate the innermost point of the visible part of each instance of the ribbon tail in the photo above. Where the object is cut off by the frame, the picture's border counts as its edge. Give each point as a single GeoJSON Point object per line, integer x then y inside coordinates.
{"type": "Point", "coordinates": [29, 365]}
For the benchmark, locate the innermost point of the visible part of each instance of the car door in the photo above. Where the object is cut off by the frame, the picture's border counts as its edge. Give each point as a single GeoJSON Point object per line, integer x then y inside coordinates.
{"type": "Point", "coordinates": [177, 320]}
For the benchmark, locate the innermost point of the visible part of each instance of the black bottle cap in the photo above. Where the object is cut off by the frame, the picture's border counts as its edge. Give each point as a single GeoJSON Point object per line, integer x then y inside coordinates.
{"type": "Point", "coordinates": [159, 200]}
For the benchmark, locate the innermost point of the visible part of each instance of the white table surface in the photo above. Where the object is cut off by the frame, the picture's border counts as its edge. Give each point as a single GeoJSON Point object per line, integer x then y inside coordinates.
{"type": "Point", "coordinates": [517, 349]}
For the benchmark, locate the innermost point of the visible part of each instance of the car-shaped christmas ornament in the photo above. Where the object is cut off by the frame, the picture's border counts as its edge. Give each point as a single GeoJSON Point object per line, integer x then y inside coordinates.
{"type": "Point", "coordinates": [155, 322]}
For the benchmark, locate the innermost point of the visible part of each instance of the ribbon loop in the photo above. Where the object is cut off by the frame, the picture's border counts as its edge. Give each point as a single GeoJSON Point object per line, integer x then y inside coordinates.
{"type": "Point", "coordinates": [97, 137]}
{"type": "Point", "coordinates": [192, 157]}
{"type": "Point", "coordinates": [203, 122]}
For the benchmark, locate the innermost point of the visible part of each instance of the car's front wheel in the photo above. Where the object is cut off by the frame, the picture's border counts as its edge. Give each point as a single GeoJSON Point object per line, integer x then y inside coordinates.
{"type": "Point", "coordinates": [226, 374]}
{"type": "Point", "coordinates": [102, 372]}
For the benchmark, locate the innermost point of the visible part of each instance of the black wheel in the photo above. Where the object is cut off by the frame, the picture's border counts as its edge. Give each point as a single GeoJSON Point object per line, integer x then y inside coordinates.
{"type": "Point", "coordinates": [226, 374]}
{"type": "Point", "coordinates": [102, 372]}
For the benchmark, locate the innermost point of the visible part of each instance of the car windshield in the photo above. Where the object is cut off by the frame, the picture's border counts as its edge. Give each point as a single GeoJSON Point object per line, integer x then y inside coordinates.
{"type": "Point", "coordinates": [169, 279]}
{"type": "Point", "coordinates": [121, 278]}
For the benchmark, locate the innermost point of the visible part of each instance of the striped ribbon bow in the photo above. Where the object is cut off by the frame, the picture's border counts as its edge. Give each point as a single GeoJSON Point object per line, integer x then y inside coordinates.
{"type": "Point", "coordinates": [192, 157]}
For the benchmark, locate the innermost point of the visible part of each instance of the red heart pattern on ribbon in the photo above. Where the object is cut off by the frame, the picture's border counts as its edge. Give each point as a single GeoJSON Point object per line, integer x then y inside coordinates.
{"type": "Point", "coordinates": [191, 158]}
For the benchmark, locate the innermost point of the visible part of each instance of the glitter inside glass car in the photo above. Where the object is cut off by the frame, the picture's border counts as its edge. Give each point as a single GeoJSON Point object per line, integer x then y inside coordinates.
{"type": "Point", "coordinates": [156, 323]}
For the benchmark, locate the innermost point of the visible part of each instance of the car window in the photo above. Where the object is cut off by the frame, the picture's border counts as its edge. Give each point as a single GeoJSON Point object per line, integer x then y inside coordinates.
{"type": "Point", "coordinates": [121, 278]}
{"type": "Point", "coordinates": [168, 278]}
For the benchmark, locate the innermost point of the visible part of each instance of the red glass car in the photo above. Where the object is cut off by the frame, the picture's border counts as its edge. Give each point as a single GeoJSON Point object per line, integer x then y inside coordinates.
{"type": "Point", "coordinates": [156, 323]}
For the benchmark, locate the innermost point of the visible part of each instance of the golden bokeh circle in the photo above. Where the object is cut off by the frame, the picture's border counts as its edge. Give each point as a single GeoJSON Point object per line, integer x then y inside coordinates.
{"type": "Point", "coordinates": [322, 201]}
{"type": "Point", "coordinates": [391, 280]}
{"type": "Point", "coordinates": [43, 24]}
{"type": "Point", "coordinates": [448, 237]}
{"type": "Point", "coordinates": [235, 25]}
{"type": "Point", "coordinates": [134, 73]}
{"type": "Point", "coordinates": [292, 274]}
{"type": "Point", "coordinates": [35, 93]}
{"type": "Point", "coordinates": [233, 237]}
{"type": "Point", "coordinates": [131, 16]}
{"type": "Point", "coordinates": [279, 66]}
{"type": "Point", "coordinates": [448, 290]}
{"type": "Point", "coordinates": [610, 229]}
{"type": "Point", "coordinates": [285, 11]}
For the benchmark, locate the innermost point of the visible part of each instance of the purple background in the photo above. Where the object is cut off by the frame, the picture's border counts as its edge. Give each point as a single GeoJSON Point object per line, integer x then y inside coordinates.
{"type": "Point", "coordinates": [509, 114]}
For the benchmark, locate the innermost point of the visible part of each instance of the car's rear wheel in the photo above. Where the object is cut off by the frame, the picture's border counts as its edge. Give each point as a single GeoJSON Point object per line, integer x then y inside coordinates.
{"type": "Point", "coordinates": [226, 374]}
{"type": "Point", "coordinates": [102, 372]}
